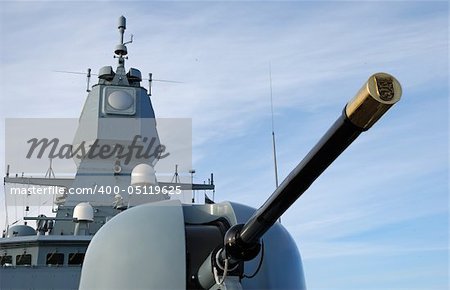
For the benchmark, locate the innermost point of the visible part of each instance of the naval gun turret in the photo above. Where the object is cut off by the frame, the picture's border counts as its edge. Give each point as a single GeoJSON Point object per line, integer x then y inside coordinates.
{"type": "Point", "coordinates": [169, 245]}
{"type": "Point", "coordinates": [242, 241]}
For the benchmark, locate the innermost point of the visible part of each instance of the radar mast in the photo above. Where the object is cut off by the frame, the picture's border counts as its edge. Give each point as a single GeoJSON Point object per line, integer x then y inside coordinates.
{"type": "Point", "coordinates": [121, 52]}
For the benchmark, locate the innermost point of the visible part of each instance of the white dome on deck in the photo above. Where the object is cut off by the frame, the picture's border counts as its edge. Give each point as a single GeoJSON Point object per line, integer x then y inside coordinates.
{"type": "Point", "coordinates": [84, 212]}
{"type": "Point", "coordinates": [143, 174]}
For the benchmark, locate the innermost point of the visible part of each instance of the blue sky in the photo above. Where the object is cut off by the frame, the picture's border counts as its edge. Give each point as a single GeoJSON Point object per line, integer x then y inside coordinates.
{"type": "Point", "coordinates": [378, 218]}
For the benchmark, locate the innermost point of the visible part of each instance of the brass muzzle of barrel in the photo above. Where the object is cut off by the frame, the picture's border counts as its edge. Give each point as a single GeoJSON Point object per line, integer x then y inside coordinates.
{"type": "Point", "coordinates": [377, 95]}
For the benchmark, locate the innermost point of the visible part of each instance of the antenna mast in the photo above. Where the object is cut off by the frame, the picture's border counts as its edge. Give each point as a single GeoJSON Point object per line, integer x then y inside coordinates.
{"type": "Point", "coordinates": [176, 176]}
{"type": "Point", "coordinates": [50, 173]}
{"type": "Point", "coordinates": [121, 49]}
{"type": "Point", "coordinates": [273, 129]}
{"type": "Point", "coordinates": [88, 79]}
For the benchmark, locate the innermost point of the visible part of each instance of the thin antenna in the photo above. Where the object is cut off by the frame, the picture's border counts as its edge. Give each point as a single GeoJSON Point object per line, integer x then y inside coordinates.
{"type": "Point", "coordinates": [211, 182]}
{"type": "Point", "coordinates": [88, 79]}
{"type": "Point", "coordinates": [50, 173]}
{"type": "Point", "coordinates": [176, 177]}
{"type": "Point", "coordinates": [92, 74]}
{"type": "Point", "coordinates": [273, 129]}
{"type": "Point", "coordinates": [150, 79]}
{"type": "Point", "coordinates": [6, 207]}
{"type": "Point", "coordinates": [192, 172]}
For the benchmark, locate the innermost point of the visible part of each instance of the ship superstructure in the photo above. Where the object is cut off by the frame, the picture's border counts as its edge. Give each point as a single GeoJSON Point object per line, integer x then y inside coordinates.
{"type": "Point", "coordinates": [117, 114]}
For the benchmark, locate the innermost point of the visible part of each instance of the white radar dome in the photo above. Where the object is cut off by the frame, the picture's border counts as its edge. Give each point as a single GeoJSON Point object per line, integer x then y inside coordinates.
{"type": "Point", "coordinates": [120, 100]}
{"type": "Point", "coordinates": [143, 174]}
{"type": "Point", "coordinates": [83, 212]}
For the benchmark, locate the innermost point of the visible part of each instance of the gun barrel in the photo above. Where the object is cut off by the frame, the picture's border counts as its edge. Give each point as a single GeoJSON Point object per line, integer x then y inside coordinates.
{"type": "Point", "coordinates": [375, 97]}
{"type": "Point", "coordinates": [241, 242]}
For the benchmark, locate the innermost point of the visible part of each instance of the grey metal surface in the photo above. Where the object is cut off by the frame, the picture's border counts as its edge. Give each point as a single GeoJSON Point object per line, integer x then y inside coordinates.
{"type": "Point", "coordinates": [64, 182]}
{"type": "Point", "coordinates": [42, 239]}
{"type": "Point", "coordinates": [204, 213]}
{"type": "Point", "coordinates": [101, 215]}
{"type": "Point", "coordinates": [282, 265]}
{"type": "Point", "coordinates": [142, 248]}
{"type": "Point", "coordinates": [97, 125]}
{"type": "Point", "coordinates": [154, 236]}
{"type": "Point", "coordinates": [19, 231]}
{"type": "Point", "coordinates": [39, 277]}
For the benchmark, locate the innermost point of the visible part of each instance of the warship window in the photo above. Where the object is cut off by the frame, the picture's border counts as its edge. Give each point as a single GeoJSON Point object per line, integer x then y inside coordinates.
{"type": "Point", "coordinates": [55, 259]}
{"type": "Point", "coordinates": [5, 260]}
{"type": "Point", "coordinates": [76, 258]}
{"type": "Point", "coordinates": [24, 259]}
